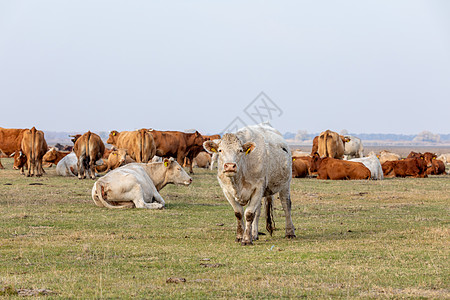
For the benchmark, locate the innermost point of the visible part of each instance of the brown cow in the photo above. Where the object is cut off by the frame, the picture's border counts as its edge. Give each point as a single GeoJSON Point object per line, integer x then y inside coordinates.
{"type": "Point", "coordinates": [178, 145]}
{"type": "Point", "coordinates": [10, 141]}
{"type": "Point", "coordinates": [140, 144]}
{"type": "Point", "coordinates": [299, 168]}
{"type": "Point", "coordinates": [34, 147]}
{"type": "Point", "coordinates": [409, 167]}
{"type": "Point", "coordinates": [89, 148]}
{"type": "Point", "coordinates": [336, 169]}
{"type": "Point", "coordinates": [116, 158]}
{"type": "Point", "coordinates": [434, 166]}
{"type": "Point", "coordinates": [330, 144]}
{"type": "Point", "coordinates": [202, 160]}
{"type": "Point", "coordinates": [53, 156]}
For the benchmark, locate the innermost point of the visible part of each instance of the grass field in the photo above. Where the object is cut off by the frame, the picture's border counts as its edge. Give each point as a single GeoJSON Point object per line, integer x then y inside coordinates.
{"type": "Point", "coordinates": [355, 239]}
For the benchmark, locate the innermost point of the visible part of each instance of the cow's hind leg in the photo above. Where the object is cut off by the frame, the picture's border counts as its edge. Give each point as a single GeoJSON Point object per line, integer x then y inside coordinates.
{"type": "Point", "coordinates": [80, 167]}
{"type": "Point", "coordinates": [285, 197]}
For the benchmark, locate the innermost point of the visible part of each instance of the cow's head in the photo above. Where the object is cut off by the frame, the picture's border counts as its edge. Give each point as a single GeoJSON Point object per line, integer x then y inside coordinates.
{"type": "Point", "coordinates": [315, 162]}
{"type": "Point", "coordinates": [19, 160]}
{"type": "Point", "coordinates": [429, 157]}
{"type": "Point", "coordinates": [118, 157]}
{"type": "Point", "coordinates": [112, 137]}
{"type": "Point", "coordinates": [75, 137]}
{"type": "Point", "coordinates": [175, 173]}
{"type": "Point", "coordinates": [231, 152]}
{"type": "Point", "coordinates": [50, 155]}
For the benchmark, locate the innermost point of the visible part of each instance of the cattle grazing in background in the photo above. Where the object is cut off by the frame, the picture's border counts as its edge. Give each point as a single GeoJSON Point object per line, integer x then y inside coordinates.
{"type": "Point", "coordinates": [373, 164]}
{"type": "Point", "coordinates": [138, 185]}
{"type": "Point", "coordinates": [178, 145]}
{"type": "Point", "coordinates": [139, 144]}
{"type": "Point", "coordinates": [33, 147]}
{"type": "Point", "coordinates": [54, 156]}
{"type": "Point", "coordinates": [10, 141]}
{"type": "Point", "coordinates": [336, 169]}
{"type": "Point", "coordinates": [253, 163]}
{"type": "Point", "coordinates": [68, 165]}
{"type": "Point", "coordinates": [409, 167]}
{"type": "Point", "coordinates": [330, 144]}
{"type": "Point", "coordinates": [353, 147]}
{"type": "Point", "coordinates": [434, 166]}
{"type": "Point", "coordinates": [202, 160]}
{"type": "Point", "coordinates": [388, 156]}
{"type": "Point", "coordinates": [116, 159]}
{"type": "Point", "coordinates": [299, 168]}
{"type": "Point", "coordinates": [89, 148]}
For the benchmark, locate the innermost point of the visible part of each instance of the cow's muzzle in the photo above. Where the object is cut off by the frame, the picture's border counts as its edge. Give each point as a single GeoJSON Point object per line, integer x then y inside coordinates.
{"type": "Point", "coordinates": [230, 169]}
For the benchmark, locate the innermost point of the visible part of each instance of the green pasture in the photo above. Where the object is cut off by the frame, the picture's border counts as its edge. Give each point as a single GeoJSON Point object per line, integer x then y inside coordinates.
{"type": "Point", "coordinates": [355, 239]}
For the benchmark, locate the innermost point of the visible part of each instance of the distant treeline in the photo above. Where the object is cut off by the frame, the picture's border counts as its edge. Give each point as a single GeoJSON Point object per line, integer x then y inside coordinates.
{"type": "Point", "coordinates": [372, 136]}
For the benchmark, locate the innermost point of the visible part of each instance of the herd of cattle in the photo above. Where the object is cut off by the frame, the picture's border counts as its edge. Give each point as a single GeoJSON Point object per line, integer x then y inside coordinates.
{"type": "Point", "coordinates": [253, 163]}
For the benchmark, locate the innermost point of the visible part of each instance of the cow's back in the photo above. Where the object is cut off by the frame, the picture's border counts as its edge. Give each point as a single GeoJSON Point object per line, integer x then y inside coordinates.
{"type": "Point", "coordinates": [270, 161]}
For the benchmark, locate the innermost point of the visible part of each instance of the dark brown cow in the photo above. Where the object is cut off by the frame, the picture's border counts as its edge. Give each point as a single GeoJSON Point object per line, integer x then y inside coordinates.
{"type": "Point", "coordinates": [10, 141]}
{"type": "Point", "coordinates": [336, 169]}
{"type": "Point", "coordinates": [299, 168]}
{"type": "Point", "coordinates": [178, 145]}
{"type": "Point", "coordinates": [139, 144]}
{"type": "Point", "coordinates": [315, 146]}
{"type": "Point", "coordinates": [88, 148]}
{"type": "Point", "coordinates": [409, 167]}
{"type": "Point", "coordinates": [33, 147]}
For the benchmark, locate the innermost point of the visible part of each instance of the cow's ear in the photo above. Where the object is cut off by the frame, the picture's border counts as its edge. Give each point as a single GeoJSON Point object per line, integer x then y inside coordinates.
{"type": "Point", "coordinates": [248, 147]}
{"type": "Point", "coordinates": [210, 146]}
{"type": "Point", "coordinates": [167, 162]}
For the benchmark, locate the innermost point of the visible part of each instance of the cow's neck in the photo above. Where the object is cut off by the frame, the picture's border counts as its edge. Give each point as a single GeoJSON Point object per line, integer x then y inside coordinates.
{"type": "Point", "coordinates": [157, 173]}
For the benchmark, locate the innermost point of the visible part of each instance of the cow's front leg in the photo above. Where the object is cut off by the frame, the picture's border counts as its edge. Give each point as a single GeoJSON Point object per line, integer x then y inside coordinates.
{"type": "Point", "coordinates": [239, 213]}
{"type": "Point", "coordinates": [251, 213]}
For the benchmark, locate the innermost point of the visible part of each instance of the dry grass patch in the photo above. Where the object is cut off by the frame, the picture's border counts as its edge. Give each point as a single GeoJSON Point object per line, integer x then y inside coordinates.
{"type": "Point", "coordinates": [358, 239]}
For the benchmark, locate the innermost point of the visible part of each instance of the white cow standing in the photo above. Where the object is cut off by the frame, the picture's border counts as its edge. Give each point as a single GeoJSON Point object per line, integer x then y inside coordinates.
{"type": "Point", "coordinates": [353, 147]}
{"type": "Point", "coordinates": [253, 163]}
{"type": "Point", "coordinates": [138, 184]}
{"type": "Point", "coordinates": [373, 164]}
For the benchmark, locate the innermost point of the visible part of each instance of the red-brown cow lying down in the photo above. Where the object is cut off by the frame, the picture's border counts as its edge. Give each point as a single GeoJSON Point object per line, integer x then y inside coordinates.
{"type": "Point", "coordinates": [89, 148]}
{"type": "Point", "coordinates": [53, 156]}
{"type": "Point", "coordinates": [116, 158]}
{"type": "Point", "coordinates": [336, 169]}
{"type": "Point", "coordinates": [409, 167]}
{"type": "Point", "coordinates": [434, 166]}
{"type": "Point", "coordinates": [299, 168]}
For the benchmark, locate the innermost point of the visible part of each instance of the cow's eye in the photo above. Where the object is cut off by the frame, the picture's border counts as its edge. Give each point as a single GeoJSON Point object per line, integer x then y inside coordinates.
{"type": "Point", "coordinates": [220, 150]}
{"type": "Point", "coordinates": [241, 150]}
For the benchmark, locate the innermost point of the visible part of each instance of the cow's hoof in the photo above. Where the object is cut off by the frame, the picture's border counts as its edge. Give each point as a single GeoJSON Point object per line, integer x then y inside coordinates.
{"type": "Point", "coordinates": [246, 243]}
{"type": "Point", "coordinates": [291, 236]}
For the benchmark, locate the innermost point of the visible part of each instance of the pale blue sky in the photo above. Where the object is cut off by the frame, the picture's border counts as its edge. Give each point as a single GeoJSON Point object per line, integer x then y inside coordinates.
{"type": "Point", "coordinates": [365, 66]}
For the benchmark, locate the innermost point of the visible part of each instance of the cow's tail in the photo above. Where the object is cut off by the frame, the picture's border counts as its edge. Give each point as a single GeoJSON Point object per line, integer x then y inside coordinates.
{"type": "Point", "coordinates": [33, 141]}
{"type": "Point", "coordinates": [141, 149]}
{"type": "Point", "coordinates": [99, 193]}
{"type": "Point", "coordinates": [88, 154]}
{"type": "Point", "coordinates": [270, 222]}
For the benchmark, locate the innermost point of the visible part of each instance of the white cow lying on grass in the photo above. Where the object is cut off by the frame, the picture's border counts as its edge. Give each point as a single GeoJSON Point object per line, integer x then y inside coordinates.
{"type": "Point", "coordinates": [68, 165]}
{"type": "Point", "coordinates": [137, 185]}
{"type": "Point", "coordinates": [373, 164]}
